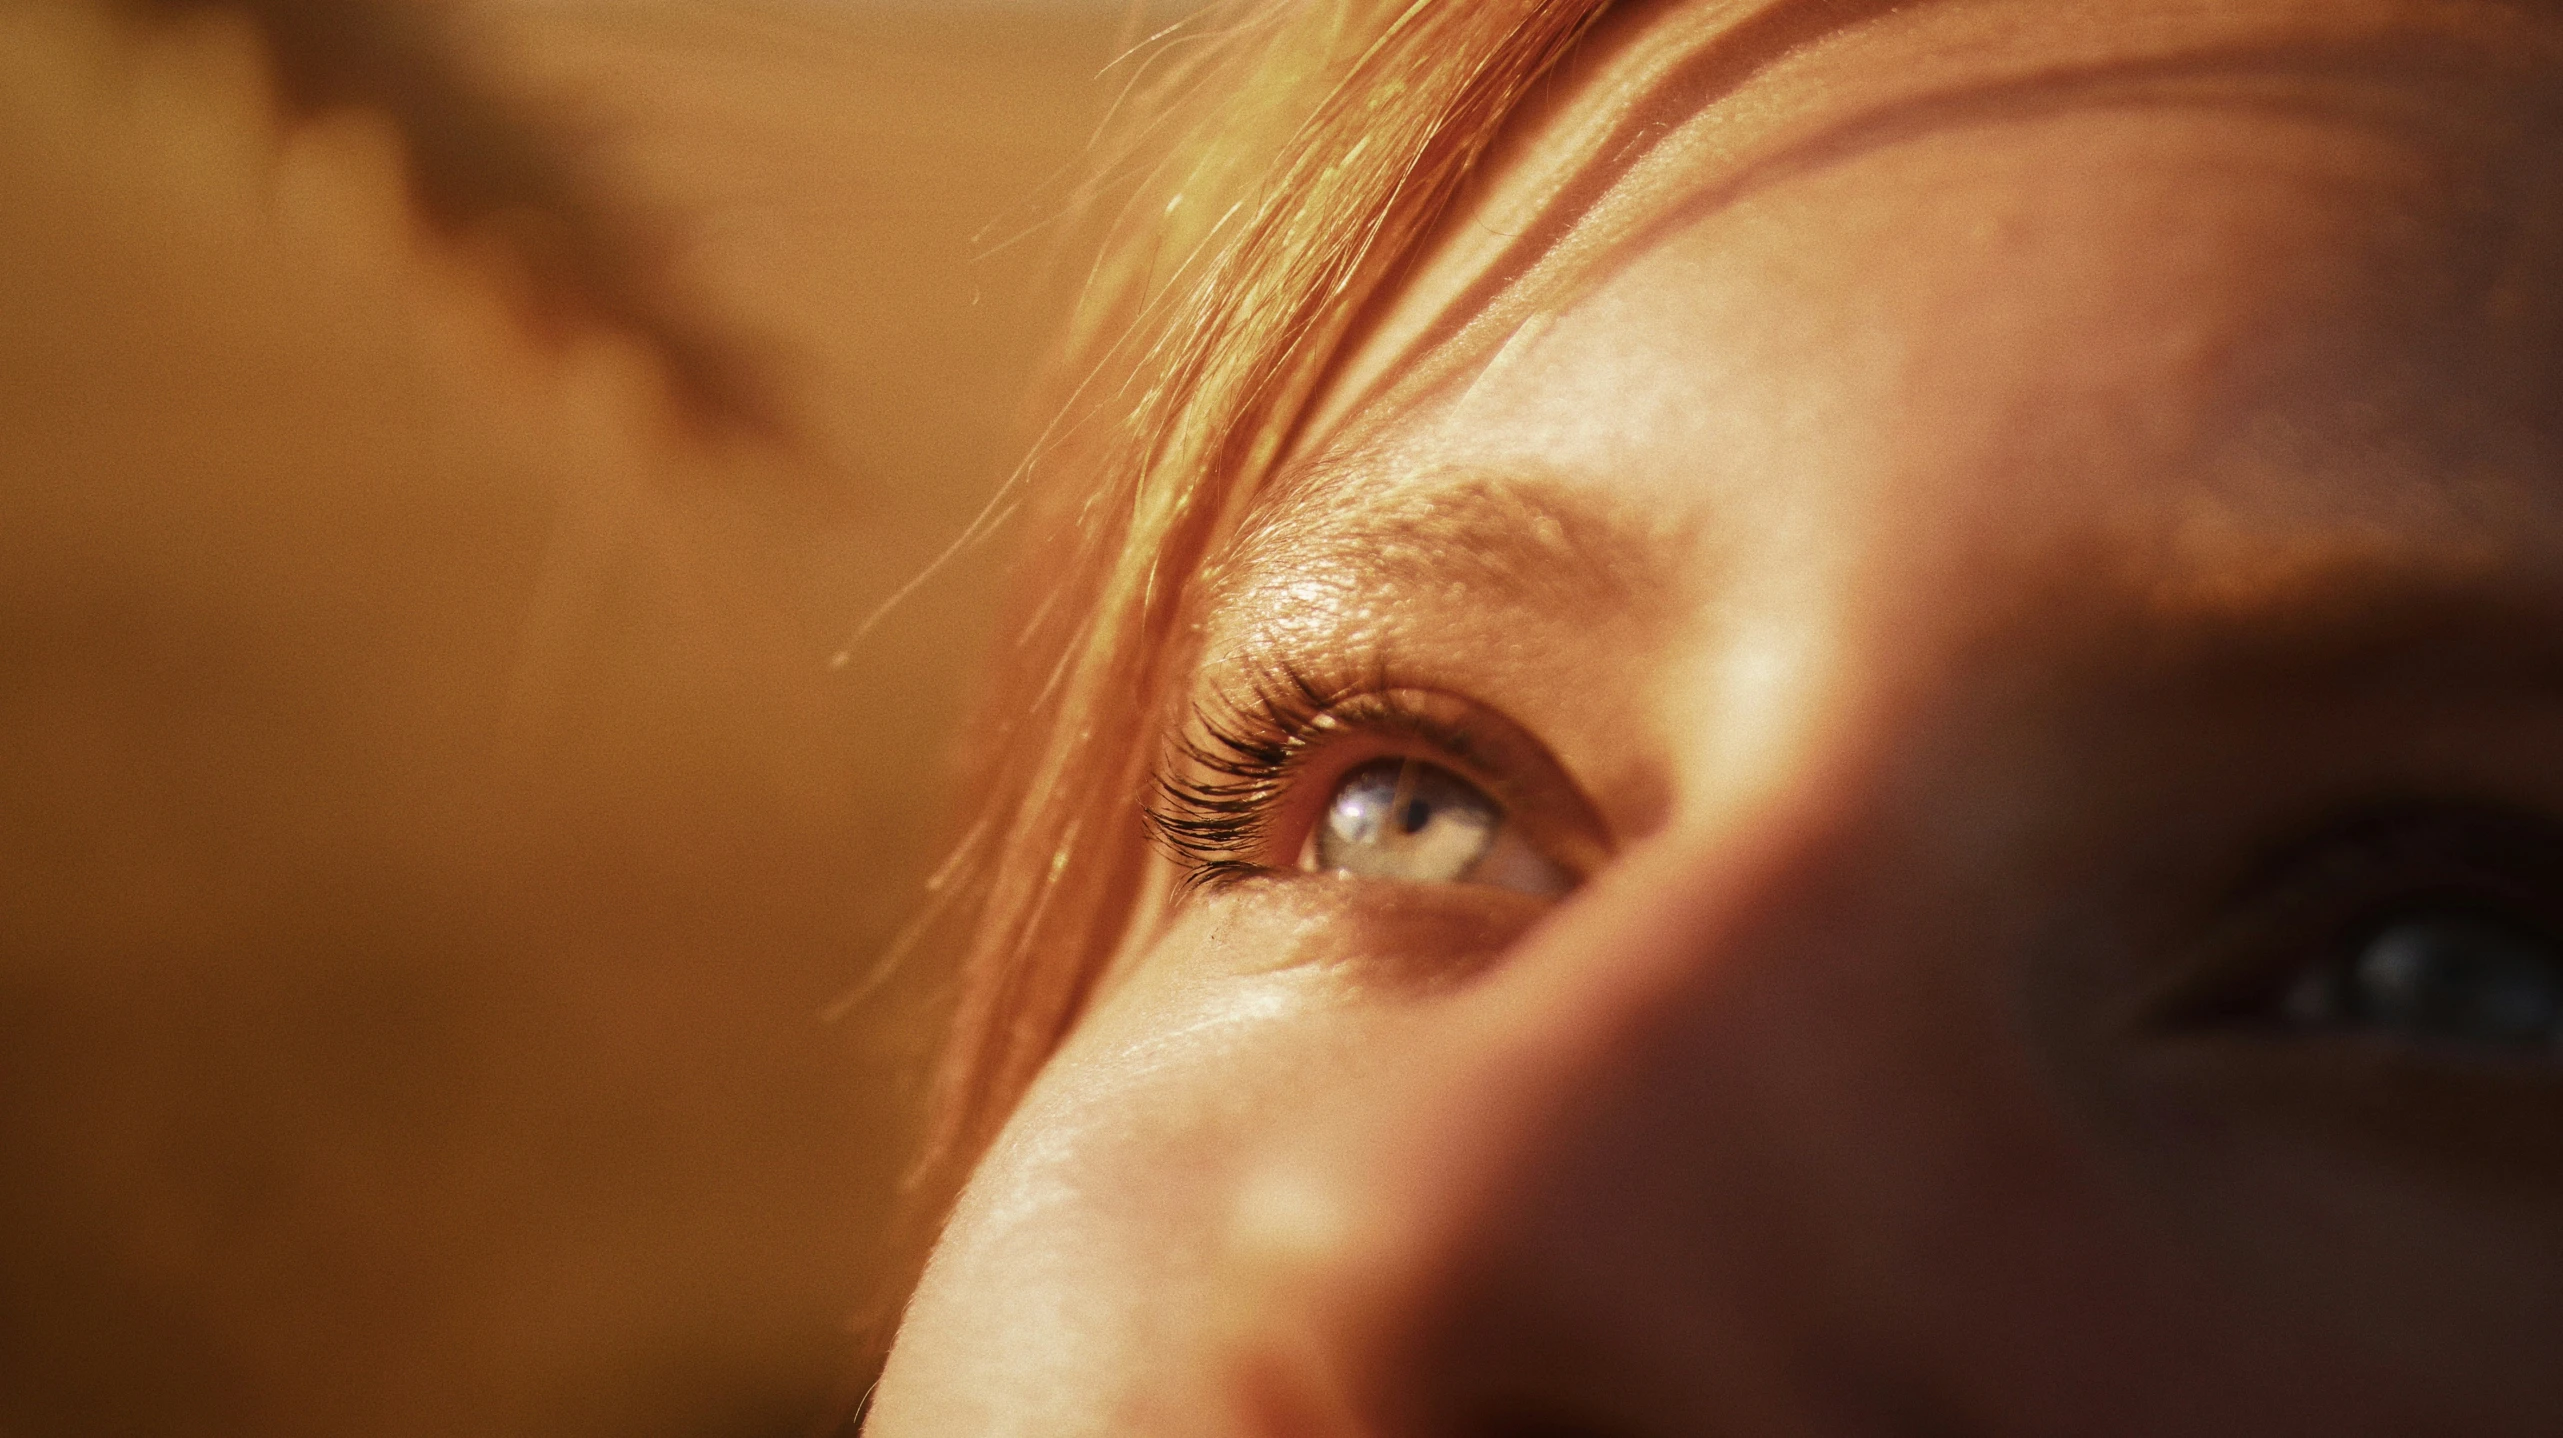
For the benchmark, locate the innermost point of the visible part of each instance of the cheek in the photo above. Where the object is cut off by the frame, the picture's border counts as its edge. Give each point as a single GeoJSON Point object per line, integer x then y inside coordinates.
{"type": "Point", "coordinates": [1084, 1252]}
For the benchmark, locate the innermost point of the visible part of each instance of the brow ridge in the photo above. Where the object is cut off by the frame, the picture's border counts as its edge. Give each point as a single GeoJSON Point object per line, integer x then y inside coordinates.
{"type": "Point", "coordinates": [1521, 540]}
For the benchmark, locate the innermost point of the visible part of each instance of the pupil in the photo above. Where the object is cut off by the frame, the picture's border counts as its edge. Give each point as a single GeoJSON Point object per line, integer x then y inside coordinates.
{"type": "Point", "coordinates": [1417, 815]}
{"type": "Point", "coordinates": [2459, 977]}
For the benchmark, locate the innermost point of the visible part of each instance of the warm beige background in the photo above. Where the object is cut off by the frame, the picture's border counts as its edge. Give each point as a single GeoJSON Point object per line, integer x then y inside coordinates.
{"type": "Point", "coordinates": [430, 825]}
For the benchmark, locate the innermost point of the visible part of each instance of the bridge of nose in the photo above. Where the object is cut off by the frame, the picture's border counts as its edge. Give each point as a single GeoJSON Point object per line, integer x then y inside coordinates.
{"type": "Point", "coordinates": [1719, 1151]}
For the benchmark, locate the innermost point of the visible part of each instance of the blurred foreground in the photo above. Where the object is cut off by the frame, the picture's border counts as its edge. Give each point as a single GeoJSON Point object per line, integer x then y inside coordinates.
{"type": "Point", "coordinates": [431, 825]}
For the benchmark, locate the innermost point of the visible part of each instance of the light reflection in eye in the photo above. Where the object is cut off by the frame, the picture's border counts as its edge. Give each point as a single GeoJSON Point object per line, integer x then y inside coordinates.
{"type": "Point", "coordinates": [1407, 820]}
{"type": "Point", "coordinates": [2454, 977]}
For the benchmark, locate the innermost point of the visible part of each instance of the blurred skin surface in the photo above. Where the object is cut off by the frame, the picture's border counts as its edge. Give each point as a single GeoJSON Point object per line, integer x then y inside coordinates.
{"type": "Point", "coordinates": [2009, 525]}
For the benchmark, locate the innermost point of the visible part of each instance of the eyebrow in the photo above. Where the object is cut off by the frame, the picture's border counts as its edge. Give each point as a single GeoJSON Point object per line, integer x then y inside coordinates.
{"type": "Point", "coordinates": [1521, 541]}
{"type": "Point", "coordinates": [1530, 545]}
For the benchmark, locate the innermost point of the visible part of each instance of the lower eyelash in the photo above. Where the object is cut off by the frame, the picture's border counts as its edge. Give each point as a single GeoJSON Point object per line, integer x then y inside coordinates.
{"type": "Point", "coordinates": [1228, 770]}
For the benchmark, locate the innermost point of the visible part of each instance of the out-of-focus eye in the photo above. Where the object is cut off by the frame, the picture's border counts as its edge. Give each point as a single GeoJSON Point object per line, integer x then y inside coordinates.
{"type": "Point", "coordinates": [1416, 822]}
{"type": "Point", "coordinates": [2446, 977]}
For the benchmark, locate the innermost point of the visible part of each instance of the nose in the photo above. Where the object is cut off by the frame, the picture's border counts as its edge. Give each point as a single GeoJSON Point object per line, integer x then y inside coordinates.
{"type": "Point", "coordinates": [1744, 1142]}
{"type": "Point", "coordinates": [1458, 1261]}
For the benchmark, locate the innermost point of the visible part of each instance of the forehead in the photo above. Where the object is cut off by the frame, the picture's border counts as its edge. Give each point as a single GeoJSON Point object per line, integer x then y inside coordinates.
{"type": "Point", "coordinates": [2101, 307]}
{"type": "Point", "coordinates": [1679, 110]}
{"type": "Point", "coordinates": [2268, 269]}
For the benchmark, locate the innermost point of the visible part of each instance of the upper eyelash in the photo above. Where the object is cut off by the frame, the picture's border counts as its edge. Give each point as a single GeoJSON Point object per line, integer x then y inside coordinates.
{"type": "Point", "coordinates": [1226, 771]}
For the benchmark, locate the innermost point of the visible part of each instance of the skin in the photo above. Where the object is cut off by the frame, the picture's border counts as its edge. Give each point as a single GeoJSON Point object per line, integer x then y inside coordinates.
{"type": "Point", "coordinates": [1935, 555]}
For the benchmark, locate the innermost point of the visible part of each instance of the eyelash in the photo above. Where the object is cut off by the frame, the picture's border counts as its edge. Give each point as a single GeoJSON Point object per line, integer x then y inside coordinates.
{"type": "Point", "coordinates": [1228, 772]}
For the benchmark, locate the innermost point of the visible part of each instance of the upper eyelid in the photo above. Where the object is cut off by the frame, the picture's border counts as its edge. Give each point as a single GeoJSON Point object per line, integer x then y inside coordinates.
{"type": "Point", "coordinates": [1327, 715]}
{"type": "Point", "coordinates": [1454, 739]}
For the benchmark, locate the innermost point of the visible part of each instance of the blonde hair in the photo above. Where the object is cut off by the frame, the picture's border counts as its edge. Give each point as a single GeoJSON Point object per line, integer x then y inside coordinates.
{"type": "Point", "coordinates": [1328, 137]}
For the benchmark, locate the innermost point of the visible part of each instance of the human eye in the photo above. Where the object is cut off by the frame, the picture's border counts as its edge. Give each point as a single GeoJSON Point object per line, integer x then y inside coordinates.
{"type": "Point", "coordinates": [2449, 976]}
{"type": "Point", "coordinates": [2429, 932]}
{"type": "Point", "coordinates": [1413, 820]}
{"type": "Point", "coordinates": [1379, 783]}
